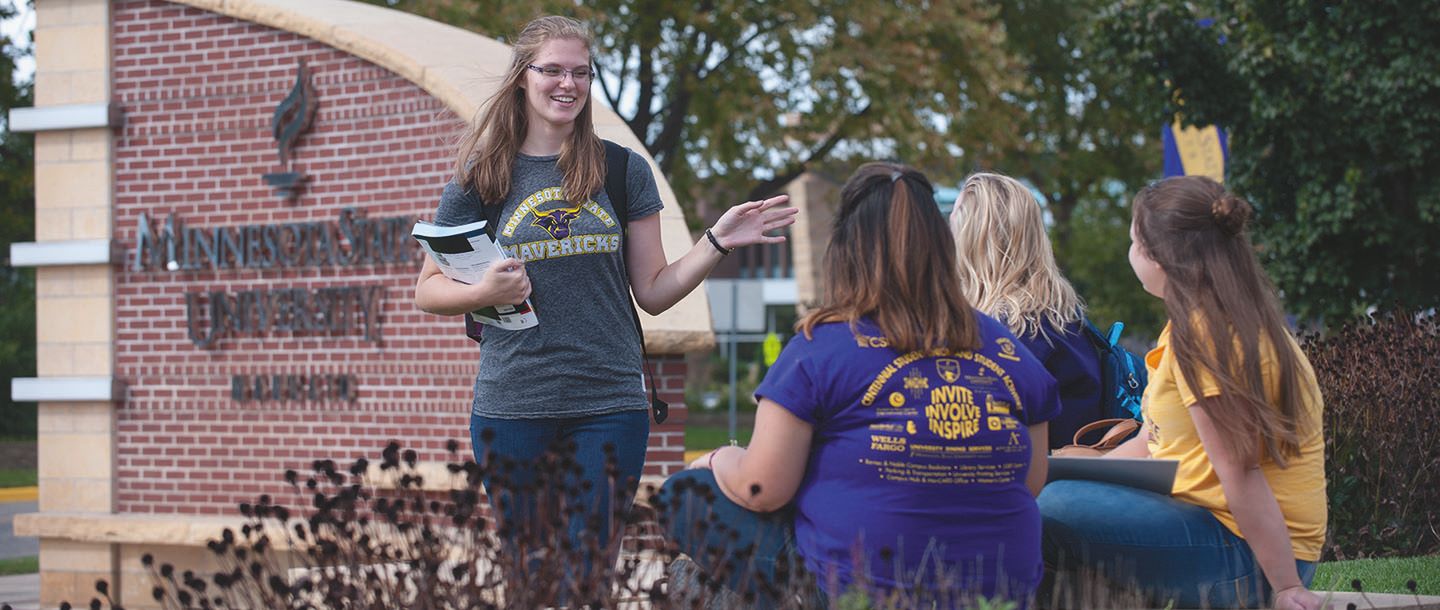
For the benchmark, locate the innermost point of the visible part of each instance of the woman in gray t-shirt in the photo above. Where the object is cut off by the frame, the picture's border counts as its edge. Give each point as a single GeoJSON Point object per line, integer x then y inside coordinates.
{"type": "Point", "coordinates": [575, 379]}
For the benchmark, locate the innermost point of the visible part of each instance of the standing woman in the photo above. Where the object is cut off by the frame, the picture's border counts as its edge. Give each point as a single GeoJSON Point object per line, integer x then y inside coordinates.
{"type": "Point", "coordinates": [1234, 400]}
{"type": "Point", "coordinates": [575, 379]}
{"type": "Point", "coordinates": [1008, 271]}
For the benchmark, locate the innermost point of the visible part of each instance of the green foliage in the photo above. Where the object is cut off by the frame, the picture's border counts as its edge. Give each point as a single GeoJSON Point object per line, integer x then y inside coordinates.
{"type": "Point", "coordinates": [19, 565]}
{"type": "Point", "coordinates": [1391, 575]}
{"type": "Point", "coordinates": [1099, 268]}
{"type": "Point", "coordinates": [18, 477]}
{"type": "Point", "coordinates": [710, 436]}
{"type": "Point", "coordinates": [17, 223]}
{"type": "Point", "coordinates": [1382, 435]}
{"type": "Point", "coordinates": [1083, 147]}
{"type": "Point", "coordinates": [1335, 131]}
{"type": "Point", "coordinates": [748, 95]}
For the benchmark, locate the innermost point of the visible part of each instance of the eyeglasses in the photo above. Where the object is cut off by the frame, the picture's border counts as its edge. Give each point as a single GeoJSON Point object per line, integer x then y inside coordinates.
{"type": "Point", "coordinates": [583, 73]}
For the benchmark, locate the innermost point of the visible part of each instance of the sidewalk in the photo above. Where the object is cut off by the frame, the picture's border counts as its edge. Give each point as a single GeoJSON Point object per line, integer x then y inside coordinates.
{"type": "Point", "coordinates": [22, 592]}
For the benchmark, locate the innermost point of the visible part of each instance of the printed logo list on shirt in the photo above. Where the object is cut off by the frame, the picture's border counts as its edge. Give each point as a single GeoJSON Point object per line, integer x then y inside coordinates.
{"type": "Point", "coordinates": [944, 433]}
{"type": "Point", "coordinates": [561, 223]}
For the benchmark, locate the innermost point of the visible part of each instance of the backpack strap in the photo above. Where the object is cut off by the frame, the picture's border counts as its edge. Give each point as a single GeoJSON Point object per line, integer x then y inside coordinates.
{"type": "Point", "coordinates": [473, 328]}
{"type": "Point", "coordinates": [1127, 376]}
{"type": "Point", "coordinates": [617, 170]}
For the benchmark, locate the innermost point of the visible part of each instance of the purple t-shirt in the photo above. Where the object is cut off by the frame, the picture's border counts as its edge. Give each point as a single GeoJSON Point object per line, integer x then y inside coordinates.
{"type": "Point", "coordinates": [919, 457]}
{"type": "Point", "coordinates": [1075, 365]}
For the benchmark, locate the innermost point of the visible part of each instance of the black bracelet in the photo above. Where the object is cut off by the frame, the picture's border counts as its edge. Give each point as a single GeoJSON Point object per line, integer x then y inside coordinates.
{"type": "Point", "coordinates": [715, 242]}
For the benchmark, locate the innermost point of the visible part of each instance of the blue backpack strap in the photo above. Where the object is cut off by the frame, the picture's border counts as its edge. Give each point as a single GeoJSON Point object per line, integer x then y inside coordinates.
{"type": "Point", "coordinates": [1123, 378]}
{"type": "Point", "coordinates": [617, 171]}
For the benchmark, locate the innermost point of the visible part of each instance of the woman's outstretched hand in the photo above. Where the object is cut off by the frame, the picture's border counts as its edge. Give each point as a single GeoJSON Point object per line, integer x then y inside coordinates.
{"type": "Point", "coordinates": [747, 224]}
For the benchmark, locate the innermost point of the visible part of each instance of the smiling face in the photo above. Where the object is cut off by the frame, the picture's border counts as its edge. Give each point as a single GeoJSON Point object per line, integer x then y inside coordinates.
{"type": "Point", "coordinates": [1152, 277]}
{"type": "Point", "coordinates": [554, 103]}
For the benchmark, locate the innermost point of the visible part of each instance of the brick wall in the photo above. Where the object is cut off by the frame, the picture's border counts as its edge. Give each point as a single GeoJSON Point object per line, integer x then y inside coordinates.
{"type": "Point", "coordinates": [198, 91]}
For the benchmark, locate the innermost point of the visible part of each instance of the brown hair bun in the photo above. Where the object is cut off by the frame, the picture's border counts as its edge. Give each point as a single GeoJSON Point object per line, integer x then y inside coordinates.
{"type": "Point", "coordinates": [1231, 213]}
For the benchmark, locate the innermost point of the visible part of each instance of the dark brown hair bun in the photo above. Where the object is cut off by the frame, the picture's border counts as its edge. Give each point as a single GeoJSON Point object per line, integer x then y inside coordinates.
{"type": "Point", "coordinates": [1231, 213]}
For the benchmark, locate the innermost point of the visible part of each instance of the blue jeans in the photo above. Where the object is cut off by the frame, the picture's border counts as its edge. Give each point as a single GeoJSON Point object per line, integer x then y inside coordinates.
{"type": "Point", "coordinates": [745, 550]}
{"type": "Point", "coordinates": [523, 475]}
{"type": "Point", "coordinates": [1172, 549]}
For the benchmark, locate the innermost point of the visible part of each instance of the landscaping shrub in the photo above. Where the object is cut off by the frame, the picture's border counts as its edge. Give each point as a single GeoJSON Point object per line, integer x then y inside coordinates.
{"type": "Point", "coordinates": [362, 547]}
{"type": "Point", "coordinates": [1381, 380]}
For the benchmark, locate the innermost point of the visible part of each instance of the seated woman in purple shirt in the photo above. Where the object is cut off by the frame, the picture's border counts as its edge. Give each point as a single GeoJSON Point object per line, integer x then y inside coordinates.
{"type": "Point", "coordinates": [893, 445]}
{"type": "Point", "coordinates": [1008, 271]}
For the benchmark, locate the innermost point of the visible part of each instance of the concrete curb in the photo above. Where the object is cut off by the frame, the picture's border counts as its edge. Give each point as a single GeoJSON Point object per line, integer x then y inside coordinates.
{"type": "Point", "coordinates": [19, 494]}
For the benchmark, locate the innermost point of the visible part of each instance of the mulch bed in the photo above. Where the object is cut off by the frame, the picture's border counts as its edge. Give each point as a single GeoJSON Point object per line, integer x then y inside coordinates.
{"type": "Point", "coordinates": [17, 455]}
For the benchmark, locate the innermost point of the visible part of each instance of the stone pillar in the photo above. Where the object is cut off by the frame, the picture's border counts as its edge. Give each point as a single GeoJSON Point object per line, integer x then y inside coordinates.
{"type": "Point", "coordinates": [817, 198]}
{"type": "Point", "coordinates": [74, 287]}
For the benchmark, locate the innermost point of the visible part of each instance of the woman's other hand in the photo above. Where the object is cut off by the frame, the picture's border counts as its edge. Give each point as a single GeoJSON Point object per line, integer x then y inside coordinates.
{"type": "Point", "coordinates": [504, 283]}
{"type": "Point", "coordinates": [702, 462]}
{"type": "Point", "coordinates": [747, 224]}
{"type": "Point", "coordinates": [1298, 598]}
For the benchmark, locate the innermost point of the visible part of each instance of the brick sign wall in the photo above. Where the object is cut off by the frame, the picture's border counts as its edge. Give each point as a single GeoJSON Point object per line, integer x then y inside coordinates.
{"type": "Point", "coordinates": [214, 413]}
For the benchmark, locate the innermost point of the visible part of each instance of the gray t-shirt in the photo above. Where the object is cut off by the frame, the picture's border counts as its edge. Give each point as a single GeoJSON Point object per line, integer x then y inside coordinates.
{"type": "Point", "coordinates": [584, 356]}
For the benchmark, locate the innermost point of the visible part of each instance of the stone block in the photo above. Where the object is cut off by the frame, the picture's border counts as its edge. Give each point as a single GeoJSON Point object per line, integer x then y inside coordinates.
{"type": "Point", "coordinates": [74, 359]}
{"type": "Point", "coordinates": [75, 418]}
{"type": "Point", "coordinates": [71, 556]}
{"type": "Point", "coordinates": [76, 495]}
{"type": "Point", "coordinates": [75, 456]}
{"type": "Point", "coordinates": [77, 184]}
{"type": "Point", "coordinates": [73, 48]}
{"type": "Point", "coordinates": [74, 319]}
{"type": "Point", "coordinates": [90, 144]}
{"type": "Point", "coordinates": [52, 224]}
{"type": "Point", "coordinates": [92, 223]}
{"type": "Point", "coordinates": [55, 359]}
{"type": "Point", "coordinates": [74, 281]}
{"type": "Point", "coordinates": [52, 146]}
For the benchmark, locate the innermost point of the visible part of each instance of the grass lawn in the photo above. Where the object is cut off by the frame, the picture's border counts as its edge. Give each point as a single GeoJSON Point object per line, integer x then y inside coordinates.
{"type": "Point", "coordinates": [1381, 575]}
{"type": "Point", "coordinates": [709, 437]}
{"type": "Point", "coordinates": [19, 565]}
{"type": "Point", "coordinates": [24, 477]}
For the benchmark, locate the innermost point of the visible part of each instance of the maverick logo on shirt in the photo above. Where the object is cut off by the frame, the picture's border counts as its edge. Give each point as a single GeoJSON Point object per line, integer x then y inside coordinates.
{"type": "Point", "coordinates": [562, 223]}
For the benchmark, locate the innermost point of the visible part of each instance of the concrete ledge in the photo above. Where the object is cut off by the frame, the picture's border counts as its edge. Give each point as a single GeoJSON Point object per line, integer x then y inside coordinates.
{"type": "Point", "coordinates": [67, 252]}
{"type": "Point", "coordinates": [102, 528]}
{"type": "Point", "coordinates": [436, 477]}
{"type": "Point", "coordinates": [19, 494]}
{"type": "Point", "coordinates": [66, 389]}
{"type": "Point", "coordinates": [1340, 600]}
{"type": "Point", "coordinates": [67, 116]}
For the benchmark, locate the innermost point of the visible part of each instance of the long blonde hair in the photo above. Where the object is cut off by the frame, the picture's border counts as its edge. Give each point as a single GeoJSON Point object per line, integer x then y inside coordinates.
{"type": "Point", "coordinates": [1007, 268]}
{"type": "Point", "coordinates": [485, 156]}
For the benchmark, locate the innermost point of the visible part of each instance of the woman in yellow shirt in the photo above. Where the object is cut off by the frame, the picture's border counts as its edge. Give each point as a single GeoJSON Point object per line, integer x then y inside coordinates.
{"type": "Point", "coordinates": [1246, 518]}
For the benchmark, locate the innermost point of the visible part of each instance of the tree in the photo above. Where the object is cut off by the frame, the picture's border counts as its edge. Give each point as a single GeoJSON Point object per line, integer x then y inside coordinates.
{"type": "Point", "coordinates": [17, 222]}
{"type": "Point", "coordinates": [1084, 147]}
{"type": "Point", "coordinates": [749, 95]}
{"type": "Point", "coordinates": [1335, 131]}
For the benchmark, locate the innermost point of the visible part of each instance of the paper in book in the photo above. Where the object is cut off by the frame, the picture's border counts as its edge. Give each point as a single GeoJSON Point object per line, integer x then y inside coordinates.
{"type": "Point", "coordinates": [463, 253]}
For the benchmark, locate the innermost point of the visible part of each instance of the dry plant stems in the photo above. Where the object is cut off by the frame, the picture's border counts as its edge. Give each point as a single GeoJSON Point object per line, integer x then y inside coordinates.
{"type": "Point", "coordinates": [1382, 425]}
{"type": "Point", "coordinates": [339, 542]}
{"type": "Point", "coordinates": [355, 546]}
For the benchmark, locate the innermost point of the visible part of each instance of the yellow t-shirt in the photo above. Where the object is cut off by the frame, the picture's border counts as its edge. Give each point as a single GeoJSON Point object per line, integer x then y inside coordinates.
{"type": "Point", "coordinates": [1299, 488]}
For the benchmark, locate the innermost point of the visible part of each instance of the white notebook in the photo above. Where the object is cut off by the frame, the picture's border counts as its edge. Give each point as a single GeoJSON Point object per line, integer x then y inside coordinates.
{"type": "Point", "coordinates": [1141, 473]}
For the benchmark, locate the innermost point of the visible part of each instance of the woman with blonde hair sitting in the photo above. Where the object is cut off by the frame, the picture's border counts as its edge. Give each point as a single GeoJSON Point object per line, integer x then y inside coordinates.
{"type": "Point", "coordinates": [1008, 271]}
